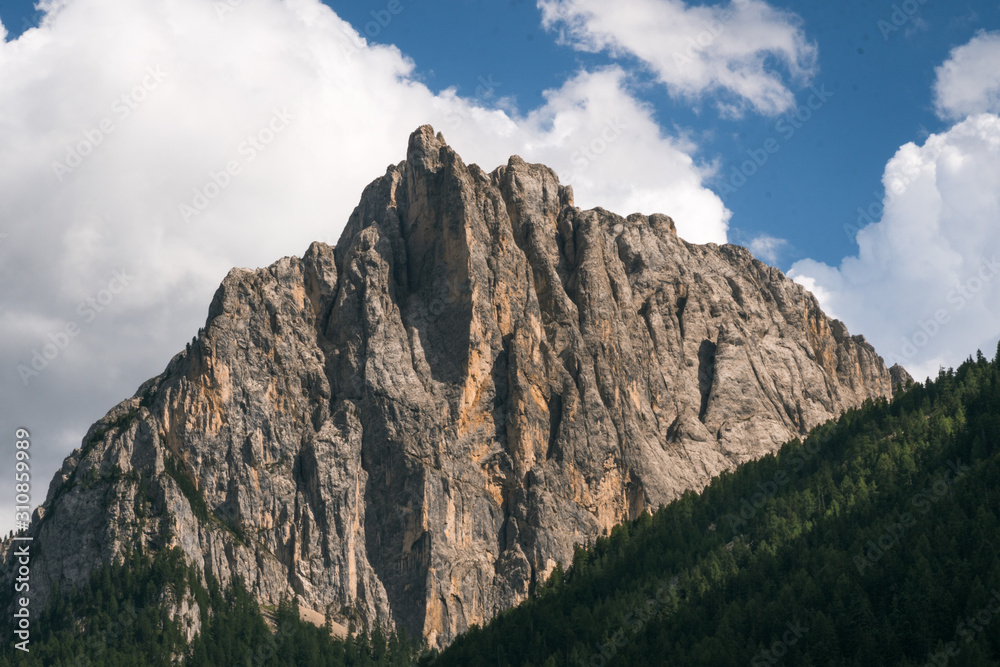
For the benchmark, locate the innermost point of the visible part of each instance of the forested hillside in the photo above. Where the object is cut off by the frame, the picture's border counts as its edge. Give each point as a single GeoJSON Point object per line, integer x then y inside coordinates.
{"type": "Point", "coordinates": [874, 542]}
{"type": "Point", "coordinates": [121, 619]}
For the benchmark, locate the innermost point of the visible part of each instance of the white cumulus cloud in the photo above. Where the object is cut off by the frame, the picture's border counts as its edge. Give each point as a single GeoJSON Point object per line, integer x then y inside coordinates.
{"type": "Point", "coordinates": [744, 50]}
{"type": "Point", "coordinates": [969, 81]}
{"type": "Point", "coordinates": [146, 148]}
{"type": "Point", "coordinates": [924, 287]}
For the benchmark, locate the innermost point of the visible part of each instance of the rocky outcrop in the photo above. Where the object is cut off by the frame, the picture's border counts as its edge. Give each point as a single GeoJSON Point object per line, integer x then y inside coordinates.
{"type": "Point", "coordinates": [412, 427]}
{"type": "Point", "coordinates": [901, 378]}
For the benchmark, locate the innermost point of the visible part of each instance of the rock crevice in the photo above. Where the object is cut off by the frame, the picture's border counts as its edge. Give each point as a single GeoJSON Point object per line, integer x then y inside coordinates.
{"type": "Point", "coordinates": [412, 427]}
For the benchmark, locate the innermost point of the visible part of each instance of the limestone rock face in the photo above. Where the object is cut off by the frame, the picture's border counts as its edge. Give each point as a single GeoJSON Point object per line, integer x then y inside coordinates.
{"type": "Point", "coordinates": [410, 428]}
{"type": "Point", "coordinates": [900, 376]}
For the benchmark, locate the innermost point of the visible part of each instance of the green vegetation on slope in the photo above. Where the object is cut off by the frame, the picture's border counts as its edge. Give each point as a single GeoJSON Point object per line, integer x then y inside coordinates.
{"type": "Point", "coordinates": [874, 542]}
{"type": "Point", "coordinates": [121, 619]}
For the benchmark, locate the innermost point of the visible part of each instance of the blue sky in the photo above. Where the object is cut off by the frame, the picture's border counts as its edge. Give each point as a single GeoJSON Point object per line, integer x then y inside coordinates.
{"type": "Point", "coordinates": [807, 192]}
{"type": "Point", "coordinates": [117, 120]}
{"type": "Point", "coordinates": [880, 75]}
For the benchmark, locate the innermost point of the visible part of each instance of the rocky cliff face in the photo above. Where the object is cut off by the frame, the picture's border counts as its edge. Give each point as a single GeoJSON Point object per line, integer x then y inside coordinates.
{"type": "Point", "coordinates": [413, 426]}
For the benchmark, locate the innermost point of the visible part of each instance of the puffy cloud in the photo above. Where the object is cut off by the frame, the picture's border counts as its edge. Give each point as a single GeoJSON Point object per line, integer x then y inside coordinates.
{"type": "Point", "coordinates": [696, 50]}
{"type": "Point", "coordinates": [607, 145]}
{"type": "Point", "coordinates": [605, 130]}
{"type": "Point", "coordinates": [146, 148]}
{"type": "Point", "coordinates": [924, 287]}
{"type": "Point", "coordinates": [968, 82]}
{"type": "Point", "coordinates": [925, 284]}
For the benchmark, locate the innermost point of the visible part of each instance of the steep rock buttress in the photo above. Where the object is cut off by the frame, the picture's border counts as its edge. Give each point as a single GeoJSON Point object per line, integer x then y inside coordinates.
{"type": "Point", "coordinates": [410, 428]}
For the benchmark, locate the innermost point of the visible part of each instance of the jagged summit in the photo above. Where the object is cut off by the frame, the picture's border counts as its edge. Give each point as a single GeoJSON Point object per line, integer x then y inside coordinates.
{"type": "Point", "coordinates": [411, 427]}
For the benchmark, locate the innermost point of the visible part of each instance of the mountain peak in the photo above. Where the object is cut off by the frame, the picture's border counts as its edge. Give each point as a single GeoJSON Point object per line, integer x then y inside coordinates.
{"type": "Point", "coordinates": [411, 428]}
{"type": "Point", "coordinates": [425, 147]}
